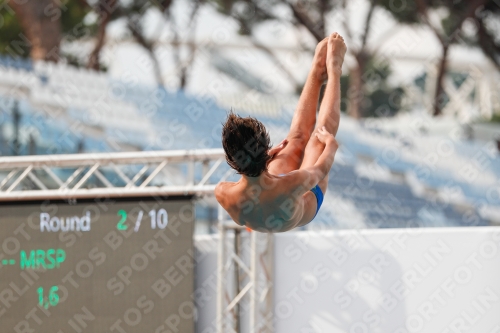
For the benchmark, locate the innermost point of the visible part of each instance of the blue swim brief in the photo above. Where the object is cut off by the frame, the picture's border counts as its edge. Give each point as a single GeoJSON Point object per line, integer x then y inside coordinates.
{"type": "Point", "coordinates": [319, 198]}
{"type": "Point", "coordinates": [317, 193]}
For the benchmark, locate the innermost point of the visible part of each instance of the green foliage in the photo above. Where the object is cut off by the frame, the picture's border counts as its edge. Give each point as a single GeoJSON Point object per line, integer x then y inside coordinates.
{"type": "Point", "coordinates": [223, 6]}
{"type": "Point", "coordinates": [495, 118]}
{"type": "Point", "coordinates": [488, 36]}
{"type": "Point", "coordinates": [403, 11]}
{"type": "Point", "coordinates": [376, 75]}
{"type": "Point", "coordinates": [71, 14]}
{"type": "Point", "coordinates": [383, 102]}
{"type": "Point", "coordinates": [248, 13]}
{"type": "Point", "coordinates": [379, 99]}
{"type": "Point", "coordinates": [10, 30]}
{"type": "Point", "coordinates": [449, 23]}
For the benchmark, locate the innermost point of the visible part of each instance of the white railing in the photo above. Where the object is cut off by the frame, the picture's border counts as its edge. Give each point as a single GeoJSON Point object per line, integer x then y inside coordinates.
{"type": "Point", "coordinates": [480, 82]}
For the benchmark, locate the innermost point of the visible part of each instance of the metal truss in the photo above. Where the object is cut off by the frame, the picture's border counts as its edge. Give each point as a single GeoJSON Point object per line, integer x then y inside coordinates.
{"type": "Point", "coordinates": [122, 174]}
{"type": "Point", "coordinates": [245, 274]}
{"type": "Point", "coordinates": [479, 82]}
{"type": "Point", "coordinates": [244, 296]}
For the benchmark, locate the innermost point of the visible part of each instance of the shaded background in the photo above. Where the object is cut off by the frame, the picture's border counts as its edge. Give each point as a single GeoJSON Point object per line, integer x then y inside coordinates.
{"type": "Point", "coordinates": [419, 133]}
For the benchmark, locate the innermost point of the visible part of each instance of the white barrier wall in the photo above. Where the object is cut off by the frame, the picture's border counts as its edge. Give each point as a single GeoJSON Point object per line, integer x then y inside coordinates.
{"type": "Point", "coordinates": [435, 280]}
{"type": "Point", "coordinates": [441, 280]}
{"type": "Point", "coordinates": [205, 283]}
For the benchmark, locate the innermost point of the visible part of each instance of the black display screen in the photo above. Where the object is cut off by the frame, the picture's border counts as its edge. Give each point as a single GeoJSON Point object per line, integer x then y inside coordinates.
{"type": "Point", "coordinates": [97, 267]}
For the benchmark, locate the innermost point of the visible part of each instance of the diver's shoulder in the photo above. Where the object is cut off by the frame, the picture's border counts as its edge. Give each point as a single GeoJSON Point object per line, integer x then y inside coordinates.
{"type": "Point", "coordinates": [225, 193]}
{"type": "Point", "coordinates": [222, 187]}
{"type": "Point", "coordinates": [220, 192]}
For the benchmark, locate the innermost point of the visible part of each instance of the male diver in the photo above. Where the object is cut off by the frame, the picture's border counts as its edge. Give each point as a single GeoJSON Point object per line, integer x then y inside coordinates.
{"type": "Point", "coordinates": [282, 188]}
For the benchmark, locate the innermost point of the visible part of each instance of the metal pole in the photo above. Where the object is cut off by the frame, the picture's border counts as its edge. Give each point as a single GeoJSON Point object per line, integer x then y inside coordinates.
{"type": "Point", "coordinates": [220, 271]}
{"type": "Point", "coordinates": [16, 119]}
{"type": "Point", "coordinates": [269, 283]}
{"type": "Point", "coordinates": [253, 279]}
{"type": "Point", "coordinates": [32, 145]}
{"type": "Point", "coordinates": [237, 252]}
{"type": "Point", "coordinates": [190, 177]}
{"type": "Point", "coordinates": [89, 159]}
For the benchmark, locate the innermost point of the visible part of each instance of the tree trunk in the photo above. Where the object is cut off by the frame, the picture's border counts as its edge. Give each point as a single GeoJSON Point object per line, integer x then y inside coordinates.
{"type": "Point", "coordinates": [135, 28]}
{"type": "Point", "coordinates": [186, 65]}
{"type": "Point", "coordinates": [40, 20]}
{"type": "Point", "coordinates": [302, 18]}
{"type": "Point", "coordinates": [104, 8]}
{"type": "Point", "coordinates": [323, 5]}
{"type": "Point", "coordinates": [355, 93]}
{"type": "Point", "coordinates": [487, 42]}
{"type": "Point", "coordinates": [439, 95]}
{"type": "Point", "coordinates": [96, 52]}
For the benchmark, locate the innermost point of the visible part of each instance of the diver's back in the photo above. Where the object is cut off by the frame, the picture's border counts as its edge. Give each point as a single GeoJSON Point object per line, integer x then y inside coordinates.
{"type": "Point", "coordinates": [267, 210]}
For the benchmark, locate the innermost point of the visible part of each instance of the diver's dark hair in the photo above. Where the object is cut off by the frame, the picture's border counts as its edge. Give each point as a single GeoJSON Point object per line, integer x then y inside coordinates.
{"type": "Point", "coordinates": [246, 143]}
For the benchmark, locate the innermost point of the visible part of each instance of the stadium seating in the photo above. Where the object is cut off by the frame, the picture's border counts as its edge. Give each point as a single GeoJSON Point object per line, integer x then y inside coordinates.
{"type": "Point", "coordinates": [377, 176]}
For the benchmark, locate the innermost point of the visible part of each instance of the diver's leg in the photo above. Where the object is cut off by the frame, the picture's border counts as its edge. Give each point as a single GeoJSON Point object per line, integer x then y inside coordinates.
{"type": "Point", "coordinates": [329, 114]}
{"type": "Point", "coordinates": [304, 119]}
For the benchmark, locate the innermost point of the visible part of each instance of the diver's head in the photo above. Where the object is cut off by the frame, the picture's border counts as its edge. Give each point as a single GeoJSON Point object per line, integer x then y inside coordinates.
{"type": "Point", "coordinates": [246, 143]}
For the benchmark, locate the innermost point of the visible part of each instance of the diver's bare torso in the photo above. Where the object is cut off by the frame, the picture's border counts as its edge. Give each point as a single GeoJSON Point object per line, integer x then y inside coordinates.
{"type": "Point", "coordinates": [268, 203]}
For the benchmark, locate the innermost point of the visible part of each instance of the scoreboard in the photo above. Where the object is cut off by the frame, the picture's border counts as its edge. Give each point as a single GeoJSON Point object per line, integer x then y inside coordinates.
{"type": "Point", "coordinates": [114, 266]}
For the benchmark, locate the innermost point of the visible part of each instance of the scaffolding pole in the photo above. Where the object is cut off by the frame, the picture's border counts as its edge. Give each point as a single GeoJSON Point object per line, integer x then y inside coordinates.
{"type": "Point", "coordinates": [256, 293]}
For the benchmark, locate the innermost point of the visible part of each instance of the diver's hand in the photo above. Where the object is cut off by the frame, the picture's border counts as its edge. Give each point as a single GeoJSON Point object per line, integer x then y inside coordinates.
{"type": "Point", "coordinates": [275, 150]}
{"type": "Point", "coordinates": [324, 136]}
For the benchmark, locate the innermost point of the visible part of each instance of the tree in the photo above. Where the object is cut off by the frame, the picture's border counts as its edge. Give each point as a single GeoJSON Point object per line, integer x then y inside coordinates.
{"type": "Point", "coordinates": [488, 36]}
{"type": "Point", "coordinates": [104, 10]}
{"type": "Point", "coordinates": [133, 12]}
{"type": "Point", "coordinates": [312, 16]}
{"type": "Point", "coordinates": [249, 14]}
{"type": "Point", "coordinates": [182, 65]}
{"type": "Point", "coordinates": [447, 32]}
{"type": "Point", "coordinates": [356, 93]}
{"type": "Point", "coordinates": [35, 27]}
